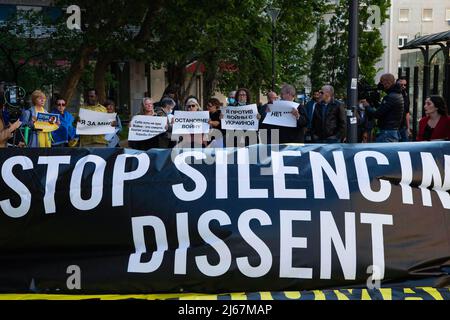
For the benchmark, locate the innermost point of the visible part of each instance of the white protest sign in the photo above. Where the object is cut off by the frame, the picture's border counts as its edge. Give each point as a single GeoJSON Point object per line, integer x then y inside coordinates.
{"type": "Point", "coordinates": [240, 118]}
{"type": "Point", "coordinates": [187, 122]}
{"type": "Point", "coordinates": [94, 123]}
{"type": "Point", "coordinates": [281, 114]}
{"type": "Point", "coordinates": [146, 127]}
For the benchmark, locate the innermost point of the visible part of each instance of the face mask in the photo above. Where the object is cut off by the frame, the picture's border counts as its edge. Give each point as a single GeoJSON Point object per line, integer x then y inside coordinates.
{"type": "Point", "coordinates": [361, 106]}
{"type": "Point", "coordinates": [231, 101]}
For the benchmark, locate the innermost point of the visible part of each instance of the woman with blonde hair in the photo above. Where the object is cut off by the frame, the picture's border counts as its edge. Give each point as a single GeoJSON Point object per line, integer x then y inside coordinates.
{"type": "Point", "coordinates": [192, 105]}
{"type": "Point", "coordinates": [37, 138]}
{"type": "Point", "coordinates": [192, 140]}
{"type": "Point", "coordinates": [147, 109]}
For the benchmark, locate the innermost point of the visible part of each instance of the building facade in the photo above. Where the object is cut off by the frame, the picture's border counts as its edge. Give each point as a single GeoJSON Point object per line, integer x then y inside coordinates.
{"type": "Point", "coordinates": [410, 19]}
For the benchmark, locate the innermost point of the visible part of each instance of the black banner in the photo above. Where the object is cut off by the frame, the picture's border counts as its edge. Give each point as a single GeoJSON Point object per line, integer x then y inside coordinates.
{"type": "Point", "coordinates": [263, 218]}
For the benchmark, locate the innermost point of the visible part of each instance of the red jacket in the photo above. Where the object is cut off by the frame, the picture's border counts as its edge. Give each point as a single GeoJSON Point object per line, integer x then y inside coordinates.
{"type": "Point", "coordinates": [440, 132]}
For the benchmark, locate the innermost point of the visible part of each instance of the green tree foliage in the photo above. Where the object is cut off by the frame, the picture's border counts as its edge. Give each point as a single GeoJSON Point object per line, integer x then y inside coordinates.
{"type": "Point", "coordinates": [332, 61]}
{"type": "Point", "coordinates": [231, 38]}
{"type": "Point", "coordinates": [111, 30]}
{"type": "Point", "coordinates": [318, 74]}
{"type": "Point", "coordinates": [24, 52]}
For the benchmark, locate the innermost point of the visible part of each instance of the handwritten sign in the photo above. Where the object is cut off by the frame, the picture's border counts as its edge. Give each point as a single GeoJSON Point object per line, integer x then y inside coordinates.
{"type": "Point", "coordinates": [187, 122]}
{"type": "Point", "coordinates": [281, 114]}
{"type": "Point", "coordinates": [146, 127]}
{"type": "Point", "coordinates": [93, 123]}
{"type": "Point", "coordinates": [240, 118]}
{"type": "Point", "coordinates": [47, 122]}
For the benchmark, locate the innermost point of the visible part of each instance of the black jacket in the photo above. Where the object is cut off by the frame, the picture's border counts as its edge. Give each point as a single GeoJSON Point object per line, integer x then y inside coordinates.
{"type": "Point", "coordinates": [390, 111]}
{"type": "Point", "coordinates": [333, 125]}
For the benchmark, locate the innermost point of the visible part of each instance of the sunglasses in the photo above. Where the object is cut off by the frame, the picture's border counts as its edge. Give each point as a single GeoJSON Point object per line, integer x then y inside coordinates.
{"type": "Point", "coordinates": [61, 104]}
{"type": "Point", "coordinates": [320, 92]}
{"type": "Point", "coordinates": [191, 106]}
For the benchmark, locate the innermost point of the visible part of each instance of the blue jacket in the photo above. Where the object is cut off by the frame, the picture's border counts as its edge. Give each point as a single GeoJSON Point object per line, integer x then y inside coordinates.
{"type": "Point", "coordinates": [66, 131]}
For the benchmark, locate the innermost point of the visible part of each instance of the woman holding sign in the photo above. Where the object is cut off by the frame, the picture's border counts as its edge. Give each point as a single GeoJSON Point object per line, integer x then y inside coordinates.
{"type": "Point", "coordinates": [193, 140]}
{"type": "Point", "coordinates": [241, 138]}
{"type": "Point", "coordinates": [37, 138]}
{"type": "Point", "coordinates": [147, 109]}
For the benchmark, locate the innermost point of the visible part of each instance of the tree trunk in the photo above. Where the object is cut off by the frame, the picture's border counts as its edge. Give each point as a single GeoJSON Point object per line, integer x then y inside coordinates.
{"type": "Point", "coordinates": [76, 71]}
{"type": "Point", "coordinates": [176, 75]}
{"type": "Point", "coordinates": [210, 76]}
{"type": "Point", "coordinates": [101, 67]}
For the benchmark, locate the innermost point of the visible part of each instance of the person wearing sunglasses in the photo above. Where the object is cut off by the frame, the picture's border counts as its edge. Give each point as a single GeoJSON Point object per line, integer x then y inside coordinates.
{"type": "Point", "coordinates": [191, 140]}
{"type": "Point", "coordinates": [66, 130]}
{"type": "Point", "coordinates": [329, 122]}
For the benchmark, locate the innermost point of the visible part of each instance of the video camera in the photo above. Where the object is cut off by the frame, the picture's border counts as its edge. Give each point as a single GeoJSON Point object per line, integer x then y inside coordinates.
{"type": "Point", "coordinates": [13, 98]}
{"type": "Point", "coordinates": [369, 93]}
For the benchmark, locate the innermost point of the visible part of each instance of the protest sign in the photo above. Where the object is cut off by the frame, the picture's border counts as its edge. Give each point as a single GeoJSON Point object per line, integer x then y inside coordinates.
{"type": "Point", "coordinates": [187, 122]}
{"type": "Point", "coordinates": [47, 122]}
{"type": "Point", "coordinates": [92, 122]}
{"type": "Point", "coordinates": [146, 127]}
{"type": "Point", "coordinates": [281, 114]}
{"type": "Point", "coordinates": [327, 216]}
{"type": "Point", "coordinates": [240, 118]}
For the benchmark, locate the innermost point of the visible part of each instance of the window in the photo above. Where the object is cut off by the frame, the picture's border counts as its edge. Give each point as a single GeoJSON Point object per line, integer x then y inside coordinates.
{"type": "Point", "coordinates": [403, 15]}
{"type": "Point", "coordinates": [427, 15]}
{"type": "Point", "coordinates": [402, 41]}
{"type": "Point", "coordinates": [447, 15]}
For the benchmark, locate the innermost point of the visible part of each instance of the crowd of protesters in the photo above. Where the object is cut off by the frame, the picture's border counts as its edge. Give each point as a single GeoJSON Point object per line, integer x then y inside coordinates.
{"type": "Point", "coordinates": [321, 120]}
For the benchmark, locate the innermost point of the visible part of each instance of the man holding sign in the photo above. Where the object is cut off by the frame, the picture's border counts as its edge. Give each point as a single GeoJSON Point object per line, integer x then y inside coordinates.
{"type": "Point", "coordinates": [90, 135]}
{"type": "Point", "coordinates": [286, 117]}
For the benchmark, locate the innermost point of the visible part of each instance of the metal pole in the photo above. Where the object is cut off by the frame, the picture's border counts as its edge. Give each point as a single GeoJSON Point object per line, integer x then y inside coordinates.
{"type": "Point", "coordinates": [447, 75]}
{"type": "Point", "coordinates": [352, 86]}
{"type": "Point", "coordinates": [415, 100]}
{"type": "Point", "coordinates": [436, 79]}
{"type": "Point", "coordinates": [426, 77]}
{"type": "Point", "coordinates": [273, 56]}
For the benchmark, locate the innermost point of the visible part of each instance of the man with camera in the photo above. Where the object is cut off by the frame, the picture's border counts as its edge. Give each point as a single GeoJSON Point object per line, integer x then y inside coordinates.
{"type": "Point", "coordinates": [6, 128]}
{"type": "Point", "coordinates": [390, 111]}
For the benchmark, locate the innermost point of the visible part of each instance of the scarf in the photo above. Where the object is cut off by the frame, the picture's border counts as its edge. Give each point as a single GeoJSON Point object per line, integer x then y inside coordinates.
{"type": "Point", "coordinates": [44, 140]}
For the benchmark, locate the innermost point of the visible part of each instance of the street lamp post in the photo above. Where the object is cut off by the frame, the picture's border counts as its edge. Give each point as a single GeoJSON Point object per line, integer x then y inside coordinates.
{"type": "Point", "coordinates": [273, 13]}
{"type": "Point", "coordinates": [352, 86]}
{"type": "Point", "coordinates": [121, 65]}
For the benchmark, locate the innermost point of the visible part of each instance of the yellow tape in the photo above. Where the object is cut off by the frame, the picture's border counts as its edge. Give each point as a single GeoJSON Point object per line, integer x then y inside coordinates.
{"type": "Point", "coordinates": [354, 294]}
